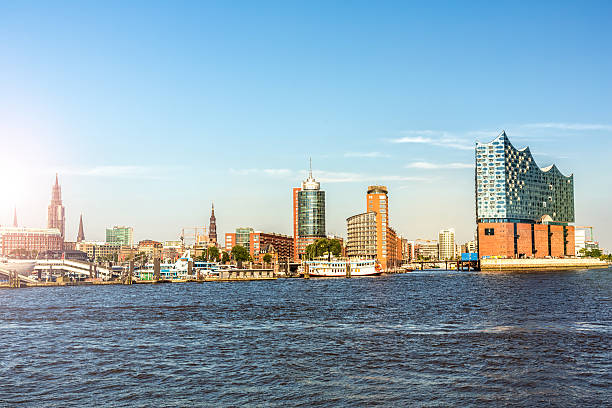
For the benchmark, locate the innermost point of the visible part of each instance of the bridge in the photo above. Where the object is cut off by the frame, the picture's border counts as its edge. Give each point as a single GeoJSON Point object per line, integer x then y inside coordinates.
{"type": "Point", "coordinates": [15, 278]}
{"type": "Point", "coordinates": [86, 269]}
{"type": "Point", "coordinates": [443, 265]}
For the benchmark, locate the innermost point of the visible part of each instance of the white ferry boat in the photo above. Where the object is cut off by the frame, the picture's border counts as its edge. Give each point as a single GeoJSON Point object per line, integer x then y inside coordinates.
{"type": "Point", "coordinates": [179, 269]}
{"type": "Point", "coordinates": [337, 268]}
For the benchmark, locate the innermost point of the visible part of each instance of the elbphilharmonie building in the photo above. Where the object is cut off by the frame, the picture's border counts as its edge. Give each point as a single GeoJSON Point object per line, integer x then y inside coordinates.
{"type": "Point", "coordinates": [522, 210]}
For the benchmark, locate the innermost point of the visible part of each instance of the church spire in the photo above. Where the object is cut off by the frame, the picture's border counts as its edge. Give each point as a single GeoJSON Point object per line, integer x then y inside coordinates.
{"type": "Point", "coordinates": [212, 228]}
{"type": "Point", "coordinates": [15, 218]}
{"type": "Point", "coordinates": [81, 234]}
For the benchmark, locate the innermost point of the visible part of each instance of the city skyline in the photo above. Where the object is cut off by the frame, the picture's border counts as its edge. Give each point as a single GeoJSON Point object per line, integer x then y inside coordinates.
{"type": "Point", "coordinates": [130, 113]}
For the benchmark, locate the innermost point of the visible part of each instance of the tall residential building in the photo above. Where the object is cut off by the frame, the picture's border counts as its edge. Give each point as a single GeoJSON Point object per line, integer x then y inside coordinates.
{"type": "Point", "coordinates": [522, 210]}
{"type": "Point", "coordinates": [377, 201]}
{"type": "Point", "coordinates": [308, 214]}
{"type": "Point", "coordinates": [446, 241]}
{"type": "Point", "coordinates": [212, 229]}
{"type": "Point", "coordinates": [81, 234]}
{"type": "Point", "coordinates": [56, 215]}
{"type": "Point", "coordinates": [369, 234]}
{"type": "Point", "coordinates": [120, 235]}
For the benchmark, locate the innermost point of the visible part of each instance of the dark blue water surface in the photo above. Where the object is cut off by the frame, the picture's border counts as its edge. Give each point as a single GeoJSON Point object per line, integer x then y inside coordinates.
{"type": "Point", "coordinates": [424, 338]}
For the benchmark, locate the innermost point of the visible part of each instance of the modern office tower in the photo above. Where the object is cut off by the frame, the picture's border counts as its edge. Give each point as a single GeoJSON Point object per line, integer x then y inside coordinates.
{"type": "Point", "coordinates": [212, 228]}
{"type": "Point", "coordinates": [81, 234]}
{"type": "Point", "coordinates": [522, 210]}
{"type": "Point", "coordinates": [308, 214]}
{"type": "Point", "coordinates": [243, 237]}
{"type": "Point", "coordinates": [446, 240]}
{"type": "Point", "coordinates": [120, 235]}
{"type": "Point", "coordinates": [56, 215]}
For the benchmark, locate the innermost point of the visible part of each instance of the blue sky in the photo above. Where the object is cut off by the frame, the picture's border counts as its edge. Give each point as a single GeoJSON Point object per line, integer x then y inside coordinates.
{"type": "Point", "coordinates": [152, 110]}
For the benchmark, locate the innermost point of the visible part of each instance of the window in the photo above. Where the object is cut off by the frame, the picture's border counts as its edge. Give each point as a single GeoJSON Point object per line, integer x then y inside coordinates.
{"type": "Point", "coordinates": [489, 231]}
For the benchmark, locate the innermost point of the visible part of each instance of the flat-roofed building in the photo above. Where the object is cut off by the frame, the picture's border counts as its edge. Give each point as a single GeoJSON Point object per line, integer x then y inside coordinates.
{"type": "Point", "coordinates": [29, 242]}
{"type": "Point", "coordinates": [120, 235]}
{"type": "Point", "coordinates": [361, 241]}
{"type": "Point", "coordinates": [98, 251]}
{"type": "Point", "coordinates": [446, 241]}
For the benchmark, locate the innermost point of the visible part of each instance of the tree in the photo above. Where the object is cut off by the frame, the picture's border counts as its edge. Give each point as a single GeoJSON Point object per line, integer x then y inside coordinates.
{"type": "Point", "coordinates": [213, 254]}
{"type": "Point", "coordinates": [324, 246]}
{"type": "Point", "coordinates": [267, 258]}
{"type": "Point", "coordinates": [240, 254]}
{"type": "Point", "coordinates": [225, 257]}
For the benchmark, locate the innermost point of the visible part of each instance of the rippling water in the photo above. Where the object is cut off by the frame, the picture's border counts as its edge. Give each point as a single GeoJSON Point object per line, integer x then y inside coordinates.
{"type": "Point", "coordinates": [424, 338]}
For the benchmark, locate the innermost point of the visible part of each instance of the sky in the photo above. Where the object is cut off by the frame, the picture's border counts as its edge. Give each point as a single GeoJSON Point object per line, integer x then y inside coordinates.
{"type": "Point", "coordinates": [150, 111]}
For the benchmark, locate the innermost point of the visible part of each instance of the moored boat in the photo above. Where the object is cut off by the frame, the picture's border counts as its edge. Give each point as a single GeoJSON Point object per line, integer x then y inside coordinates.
{"type": "Point", "coordinates": [338, 268]}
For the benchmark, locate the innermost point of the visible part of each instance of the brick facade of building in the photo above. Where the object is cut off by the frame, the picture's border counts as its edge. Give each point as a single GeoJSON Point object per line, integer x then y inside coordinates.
{"type": "Point", "coordinates": [525, 240]}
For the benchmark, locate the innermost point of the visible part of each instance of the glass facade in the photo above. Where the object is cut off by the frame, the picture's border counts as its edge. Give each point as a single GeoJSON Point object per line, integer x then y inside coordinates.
{"type": "Point", "coordinates": [511, 187]}
{"type": "Point", "coordinates": [311, 213]}
{"type": "Point", "coordinates": [243, 237]}
{"type": "Point", "coordinates": [120, 236]}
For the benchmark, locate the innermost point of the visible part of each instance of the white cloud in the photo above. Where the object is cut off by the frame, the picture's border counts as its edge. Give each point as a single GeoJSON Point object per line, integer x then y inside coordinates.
{"type": "Point", "coordinates": [435, 138]}
{"type": "Point", "coordinates": [365, 154]}
{"type": "Point", "coordinates": [569, 126]}
{"type": "Point", "coordinates": [435, 166]}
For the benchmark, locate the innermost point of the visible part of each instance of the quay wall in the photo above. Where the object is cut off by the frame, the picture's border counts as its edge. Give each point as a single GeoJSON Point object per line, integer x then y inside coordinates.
{"type": "Point", "coordinates": [540, 264]}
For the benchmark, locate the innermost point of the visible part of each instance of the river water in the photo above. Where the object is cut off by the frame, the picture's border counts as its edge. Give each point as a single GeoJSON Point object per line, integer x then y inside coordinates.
{"type": "Point", "coordinates": [419, 339]}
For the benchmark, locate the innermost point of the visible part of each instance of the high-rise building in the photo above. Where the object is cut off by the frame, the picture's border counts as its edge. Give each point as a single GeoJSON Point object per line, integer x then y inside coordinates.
{"type": "Point", "coordinates": [308, 214]}
{"type": "Point", "coordinates": [212, 229]}
{"type": "Point", "coordinates": [522, 210]}
{"type": "Point", "coordinates": [120, 235]}
{"type": "Point", "coordinates": [447, 247]}
{"type": "Point", "coordinates": [81, 234]}
{"type": "Point", "coordinates": [369, 234]}
{"type": "Point", "coordinates": [377, 201]}
{"type": "Point", "coordinates": [56, 216]}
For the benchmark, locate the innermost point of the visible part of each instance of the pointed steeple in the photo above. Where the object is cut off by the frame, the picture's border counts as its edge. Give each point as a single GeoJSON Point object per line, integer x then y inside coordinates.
{"type": "Point", "coordinates": [15, 218]}
{"type": "Point", "coordinates": [56, 180]}
{"type": "Point", "coordinates": [212, 226]}
{"type": "Point", "coordinates": [81, 234]}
